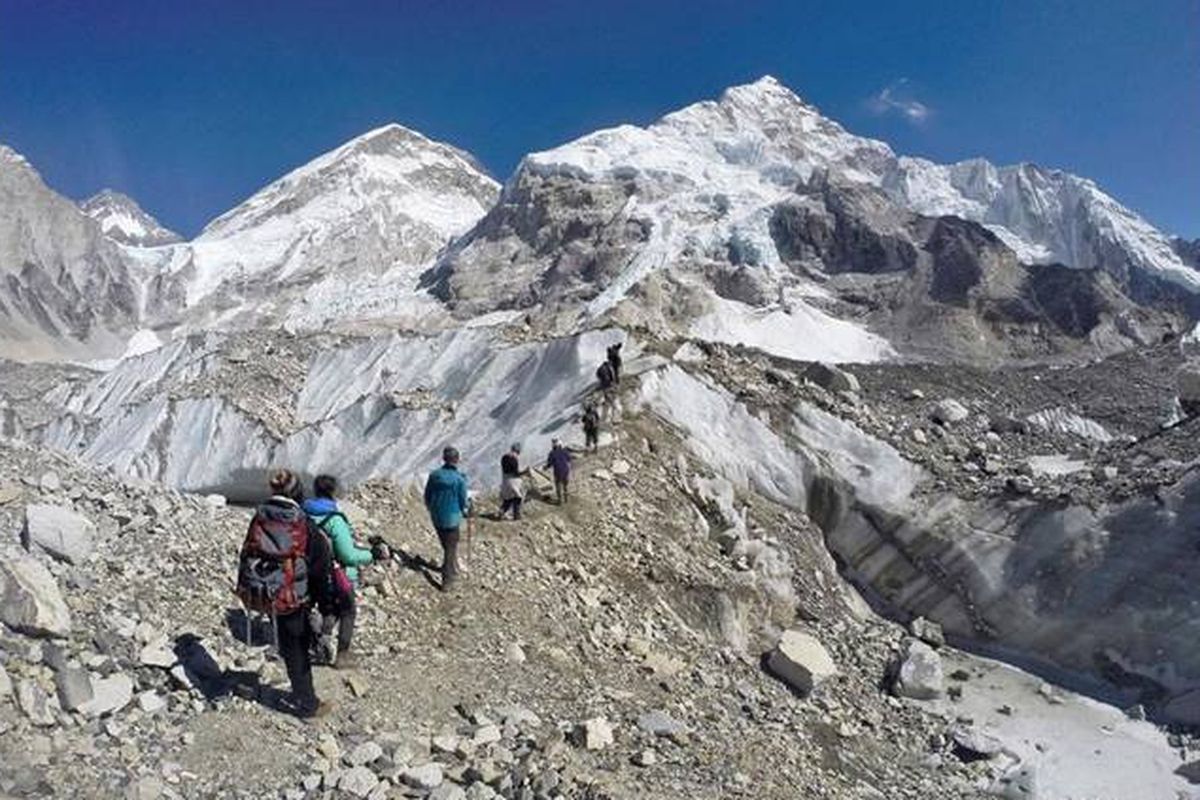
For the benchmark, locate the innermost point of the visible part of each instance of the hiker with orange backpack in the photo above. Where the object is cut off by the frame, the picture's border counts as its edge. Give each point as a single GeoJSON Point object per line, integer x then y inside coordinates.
{"type": "Point", "coordinates": [342, 610]}
{"type": "Point", "coordinates": [283, 568]}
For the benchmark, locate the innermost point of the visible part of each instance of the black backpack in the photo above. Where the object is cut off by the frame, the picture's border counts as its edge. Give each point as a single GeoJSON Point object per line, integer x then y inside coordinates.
{"type": "Point", "coordinates": [604, 374]}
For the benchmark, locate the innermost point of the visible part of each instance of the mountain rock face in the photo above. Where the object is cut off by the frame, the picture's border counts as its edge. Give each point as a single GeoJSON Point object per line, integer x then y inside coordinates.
{"type": "Point", "coordinates": [725, 220]}
{"type": "Point", "coordinates": [375, 210]}
{"type": "Point", "coordinates": [1187, 250]}
{"type": "Point", "coordinates": [67, 291]}
{"type": "Point", "coordinates": [125, 222]}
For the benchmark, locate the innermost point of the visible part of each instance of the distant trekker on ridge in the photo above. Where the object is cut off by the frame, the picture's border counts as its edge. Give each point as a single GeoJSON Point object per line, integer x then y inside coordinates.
{"type": "Point", "coordinates": [448, 503]}
{"type": "Point", "coordinates": [283, 568]}
{"type": "Point", "coordinates": [614, 360]}
{"type": "Point", "coordinates": [591, 427]}
{"type": "Point", "coordinates": [559, 461]}
{"type": "Point", "coordinates": [341, 612]}
{"type": "Point", "coordinates": [512, 487]}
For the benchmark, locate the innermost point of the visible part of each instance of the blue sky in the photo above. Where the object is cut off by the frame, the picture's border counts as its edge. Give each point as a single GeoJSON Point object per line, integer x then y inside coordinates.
{"type": "Point", "coordinates": [191, 106]}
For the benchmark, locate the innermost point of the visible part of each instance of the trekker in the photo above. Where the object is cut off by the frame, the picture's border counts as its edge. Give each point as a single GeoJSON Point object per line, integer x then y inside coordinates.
{"type": "Point", "coordinates": [614, 360]}
{"type": "Point", "coordinates": [284, 567]}
{"type": "Point", "coordinates": [559, 461]}
{"type": "Point", "coordinates": [512, 488]}
{"type": "Point", "coordinates": [447, 501]}
{"type": "Point", "coordinates": [606, 376]}
{"type": "Point", "coordinates": [591, 427]}
{"type": "Point", "coordinates": [323, 510]}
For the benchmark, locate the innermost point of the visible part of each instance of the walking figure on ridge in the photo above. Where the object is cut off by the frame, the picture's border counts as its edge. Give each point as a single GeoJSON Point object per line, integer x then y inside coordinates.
{"type": "Point", "coordinates": [448, 504]}
{"type": "Point", "coordinates": [559, 460]}
{"type": "Point", "coordinates": [342, 609]}
{"type": "Point", "coordinates": [512, 485]}
{"type": "Point", "coordinates": [283, 569]}
{"type": "Point", "coordinates": [591, 427]}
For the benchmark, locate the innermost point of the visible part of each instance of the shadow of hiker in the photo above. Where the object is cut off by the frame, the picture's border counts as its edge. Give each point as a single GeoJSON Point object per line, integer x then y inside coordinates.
{"type": "Point", "coordinates": [198, 669]}
{"type": "Point", "coordinates": [428, 570]}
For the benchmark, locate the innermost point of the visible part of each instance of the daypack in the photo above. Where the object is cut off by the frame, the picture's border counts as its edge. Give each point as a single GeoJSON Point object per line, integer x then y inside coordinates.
{"type": "Point", "coordinates": [605, 374]}
{"type": "Point", "coordinates": [341, 589]}
{"type": "Point", "coordinates": [273, 568]}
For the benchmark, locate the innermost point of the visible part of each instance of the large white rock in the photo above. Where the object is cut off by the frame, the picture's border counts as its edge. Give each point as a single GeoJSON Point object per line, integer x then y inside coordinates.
{"type": "Point", "coordinates": [919, 675]}
{"type": "Point", "coordinates": [358, 781]}
{"type": "Point", "coordinates": [948, 411]}
{"type": "Point", "coordinates": [427, 776]}
{"type": "Point", "coordinates": [594, 734]}
{"type": "Point", "coordinates": [801, 661]}
{"type": "Point", "coordinates": [109, 695]}
{"type": "Point", "coordinates": [831, 378]}
{"type": "Point", "coordinates": [61, 532]}
{"type": "Point", "coordinates": [6, 686]}
{"type": "Point", "coordinates": [35, 703]}
{"type": "Point", "coordinates": [30, 601]}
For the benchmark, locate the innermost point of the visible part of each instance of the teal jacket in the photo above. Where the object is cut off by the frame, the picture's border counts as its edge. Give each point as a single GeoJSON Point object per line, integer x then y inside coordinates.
{"type": "Point", "coordinates": [446, 497]}
{"type": "Point", "coordinates": [325, 515]}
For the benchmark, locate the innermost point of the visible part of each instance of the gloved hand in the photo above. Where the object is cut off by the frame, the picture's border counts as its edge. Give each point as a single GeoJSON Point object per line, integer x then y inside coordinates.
{"type": "Point", "coordinates": [379, 549]}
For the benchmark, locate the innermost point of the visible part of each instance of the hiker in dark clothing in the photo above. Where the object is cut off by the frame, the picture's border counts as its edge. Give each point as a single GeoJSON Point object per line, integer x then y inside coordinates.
{"type": "Point", "coordinates": [559, 461]}
{"type": "Point", "coordinates": [512, 487]}
{"type": "Point", "coordinates": [591, 427]}
{"type": "Point", "coordinates": [448, 503]}
{"type": "Point", "coordinates": [605, 376]}
{"type": "Point", "coordinates": [614, 361]}
{"type": "Point", "coordinates": [282, 511]}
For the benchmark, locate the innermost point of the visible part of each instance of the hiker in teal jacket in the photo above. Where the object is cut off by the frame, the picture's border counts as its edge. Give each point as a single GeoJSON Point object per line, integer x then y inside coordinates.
{"type": "Point", "coordinates": [323, 511]}
{"type": "Point", "coordinates": [447, 500]}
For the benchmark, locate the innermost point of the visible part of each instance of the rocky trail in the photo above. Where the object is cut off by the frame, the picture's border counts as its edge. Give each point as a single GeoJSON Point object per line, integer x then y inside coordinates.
{"type": "Point", "coordinates": [610, 648]}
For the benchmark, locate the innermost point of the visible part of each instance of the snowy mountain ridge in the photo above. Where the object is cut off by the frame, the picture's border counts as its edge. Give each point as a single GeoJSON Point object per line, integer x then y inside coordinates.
{"type": "Point", "coordinates": [125, 222]}
{"type": "Point", "coordinates": [759, 140]}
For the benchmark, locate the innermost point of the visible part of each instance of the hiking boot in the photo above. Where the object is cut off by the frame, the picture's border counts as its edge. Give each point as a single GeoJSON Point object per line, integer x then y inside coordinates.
{"type": "Point", "coordinates": [346, 660]}
{"type": "Point", "coordinates": [321, 709]}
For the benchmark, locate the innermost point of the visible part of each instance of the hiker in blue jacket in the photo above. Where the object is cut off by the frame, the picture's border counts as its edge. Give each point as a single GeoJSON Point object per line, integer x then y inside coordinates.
{"type": "Point", "coordinates": [448, 503]}
{"type": "Point", "coordinates": [323, 511]}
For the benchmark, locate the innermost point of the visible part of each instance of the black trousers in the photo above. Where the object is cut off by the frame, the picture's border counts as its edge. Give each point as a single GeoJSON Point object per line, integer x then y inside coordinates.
{"type": "Point", "coordinates": [449, 539]}
{"type": "Point", "coordinates": [344, 622]}
{"type": "Point", "coordinates": [513, 503]}
{"type": "Point", "coordinates": [295, 636]}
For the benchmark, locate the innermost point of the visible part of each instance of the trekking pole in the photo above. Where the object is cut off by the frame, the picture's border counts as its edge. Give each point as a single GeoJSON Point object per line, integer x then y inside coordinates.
{"type": "Point", "coordinates": [470, 538]}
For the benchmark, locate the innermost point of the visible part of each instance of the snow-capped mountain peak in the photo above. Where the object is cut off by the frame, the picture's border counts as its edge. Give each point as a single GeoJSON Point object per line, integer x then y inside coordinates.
{"type": "Point", "coordinates": [383, 203]}
{"type": "Point", "coordinates": [124, 221]}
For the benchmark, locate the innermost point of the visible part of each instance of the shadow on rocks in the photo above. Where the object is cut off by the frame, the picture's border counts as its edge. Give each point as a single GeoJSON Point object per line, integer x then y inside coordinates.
{"type": "Point", "coordinates": [204, 674]}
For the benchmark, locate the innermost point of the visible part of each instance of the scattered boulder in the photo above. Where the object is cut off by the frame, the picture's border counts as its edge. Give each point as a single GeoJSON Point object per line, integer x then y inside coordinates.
{"type": "Point", "coordinates": [831, 378]}
{"type": "Point", "coordinates": [660, 723]}
{"type": "Point", "coordinates": [425, 776]}
{"type": "Point", "coordinates": [972, 744]}
{"type": "Point", "coordinates": [50, 482]}
{"type": "Point", "coordinates": [358, 781]}
{"type": "Point", "coordinates": [919, 673]}
{"type": "Point", "coordinates": [109, 695]}
{"type": "Point", "coordinates": [61, 532]}
{"type": "Point", "coordinates": [363, 754]}
{"type": "Point", "coordinates": [30, 601]}
{"type": "Point", "coordinates": [6, 686]}
{"type": "Point", "coordinates": [594, 734]}
{"type": "Point", "coordinates": [948, 412]}
{"type": "Point", "coordinates": [927, 631]}
{"type": "Point", "coordinates": [34, 703]}
{"type": "Point", "coordinates": [74, 688]}
{"type": "Point", "coordinates": [801, 661]}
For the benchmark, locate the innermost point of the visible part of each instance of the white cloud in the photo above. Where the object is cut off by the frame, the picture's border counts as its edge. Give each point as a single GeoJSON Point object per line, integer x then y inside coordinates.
{"type": "Point", "coordinates": [897, 97]}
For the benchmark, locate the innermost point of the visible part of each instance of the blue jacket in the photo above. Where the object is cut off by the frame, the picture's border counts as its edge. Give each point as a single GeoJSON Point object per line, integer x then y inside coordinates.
{"type": "Point", "coordinates": [446, 497]}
